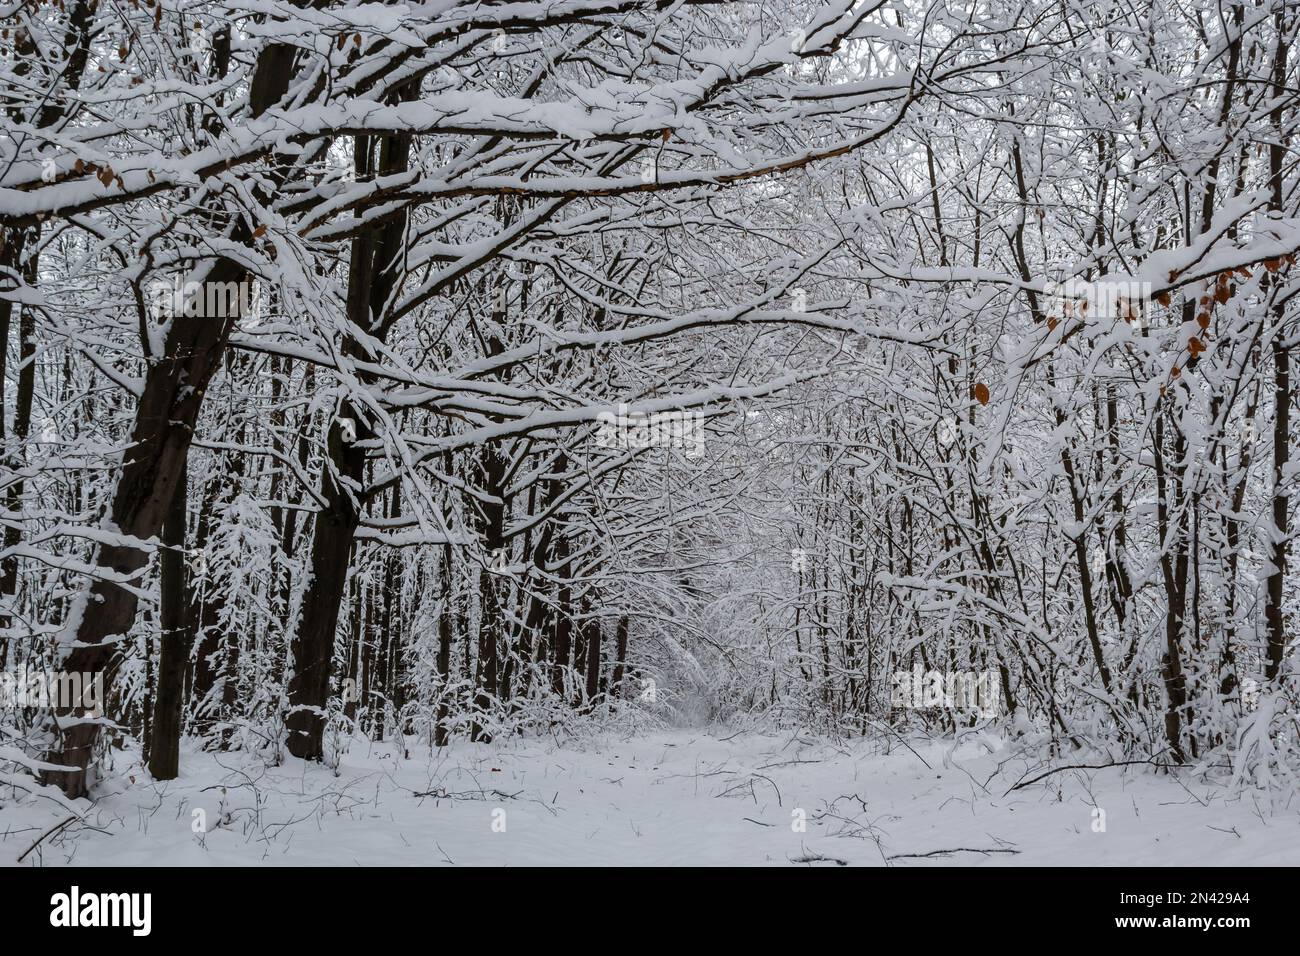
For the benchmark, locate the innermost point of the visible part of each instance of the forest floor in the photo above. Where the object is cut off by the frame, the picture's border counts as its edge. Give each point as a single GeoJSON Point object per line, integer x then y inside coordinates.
{"type": "Point", "coordinates": [679, 797]}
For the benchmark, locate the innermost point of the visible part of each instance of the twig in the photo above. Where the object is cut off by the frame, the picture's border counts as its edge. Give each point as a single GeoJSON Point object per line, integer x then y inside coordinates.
{"type": "Point", "coordinates": [52, 830]}
{"type": "Point", "coordinates": [1086, 766]}
{"type": "Point", "coordinates": [819, 858]}
{"type": "Point", "coordinates": [960, 849]}
{"type": "Point", "coordinates": [1233, 831]}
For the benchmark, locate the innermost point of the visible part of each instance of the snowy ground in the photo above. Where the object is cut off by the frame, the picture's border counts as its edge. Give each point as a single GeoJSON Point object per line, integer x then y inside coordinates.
{"type": "Point", "coordinates": [700, 797]}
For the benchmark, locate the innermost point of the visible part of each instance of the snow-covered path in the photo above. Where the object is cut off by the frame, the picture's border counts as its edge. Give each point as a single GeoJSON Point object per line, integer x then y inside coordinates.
{"type": "Point", "coordinates": [699, 797]}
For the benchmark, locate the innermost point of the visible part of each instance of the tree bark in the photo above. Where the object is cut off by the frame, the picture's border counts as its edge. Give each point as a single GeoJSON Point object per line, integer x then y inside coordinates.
{"type": "Point", "coordinates": [176, 642]}
{"type": "Point", "coordinates": [1273, 610]}
{"type": "Point", "coordinates": [620, 659]}
{"type": "Point", "coordinates": [593, 642]}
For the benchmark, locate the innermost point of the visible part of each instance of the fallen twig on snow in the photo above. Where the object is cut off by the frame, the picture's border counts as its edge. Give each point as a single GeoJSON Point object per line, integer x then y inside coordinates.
{"type": "Point", "coordinates": [50, 832]}
{"type": "Point", "coordinates": [819, 858]}
{"type": "Point", "coordinates": [1087, 766]}
{"type": "Point", "coordinates": [960, 849]}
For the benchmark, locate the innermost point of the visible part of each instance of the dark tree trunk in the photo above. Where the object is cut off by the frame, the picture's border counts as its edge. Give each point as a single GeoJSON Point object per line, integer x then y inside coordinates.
{"type": "Point", "coordinates": [208, 602]}
{"type": "Point", "coordinates": [353, 696]}
{"type": "Point", "coordinates": [373, 275]}
{"type": "Point", "coordinates": [594, 635]}
{"type": "Point", "coordinates": [176, 641]}
{"type": "Point", "coordinates": [580, 661]}
{"type": "Point", "coordinates": [313, 646]}
{"type": "Point", "coordinates": [392, 627]}
{"type": "Point", "coordinates": [562, 619]}
{"type": "Point", "coordinates": [620, 659]}
{"type": "Point", "coordinates": [445, 635]}
{"type": "Point", "coordinates": [1174, 574]}
{"type": "Point", "coordinates": [1273, 611]}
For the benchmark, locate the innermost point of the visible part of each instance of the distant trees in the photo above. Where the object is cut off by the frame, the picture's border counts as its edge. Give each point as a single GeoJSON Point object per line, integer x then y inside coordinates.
{"type": "Point", "coordinates": [1083, 491]}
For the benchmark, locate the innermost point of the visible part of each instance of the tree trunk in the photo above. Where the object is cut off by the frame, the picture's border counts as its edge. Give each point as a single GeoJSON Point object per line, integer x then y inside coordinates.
{"type": "Point", "coordinates": [373, 275]}
{"type": "Point", "coordinates": [331, 546]}
{"type": "Point", "coordinates": [620, 660]}
{"type": "Point", "coordinates": [177, 639]}
{"type": "Point", "coordinates": [593, 641]}
{"type": "Point", "coordinates": [446, 584]}
{"type": "Point", "coordinates": [1273, 612]}
{"type": "Point", "coordinates": [561, 620]}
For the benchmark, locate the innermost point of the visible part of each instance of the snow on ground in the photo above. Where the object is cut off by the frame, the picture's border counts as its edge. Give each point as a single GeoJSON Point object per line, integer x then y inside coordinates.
{"type": "Point", "coordinates": [682, 797]}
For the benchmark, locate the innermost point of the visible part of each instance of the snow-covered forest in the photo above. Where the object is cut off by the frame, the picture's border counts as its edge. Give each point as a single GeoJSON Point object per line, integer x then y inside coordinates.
{"type": "Point", "coordinates": [422, 416]}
